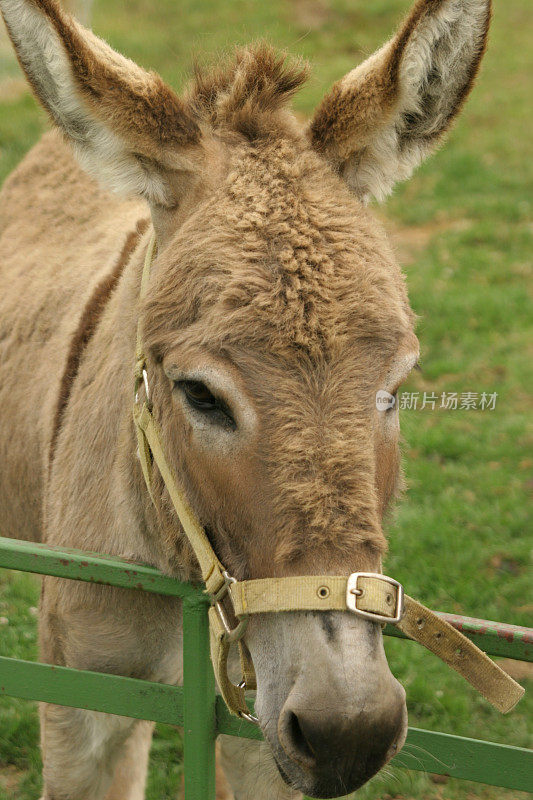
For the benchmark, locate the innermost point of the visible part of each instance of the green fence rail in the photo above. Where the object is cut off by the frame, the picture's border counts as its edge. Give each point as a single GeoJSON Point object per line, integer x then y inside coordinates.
{"type": "Point", "coordinates": [198, 708]}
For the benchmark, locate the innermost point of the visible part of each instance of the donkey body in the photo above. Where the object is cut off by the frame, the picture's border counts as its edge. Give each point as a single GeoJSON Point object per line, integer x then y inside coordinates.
{"type": "Point", "coordinates": [275, 312]}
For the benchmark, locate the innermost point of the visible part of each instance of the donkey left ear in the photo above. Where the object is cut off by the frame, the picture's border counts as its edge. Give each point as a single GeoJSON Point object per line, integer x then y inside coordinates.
{"type": "Point", "coordinates": [127, 127]}
{"type": "Point", "coordinates": [382, 119]}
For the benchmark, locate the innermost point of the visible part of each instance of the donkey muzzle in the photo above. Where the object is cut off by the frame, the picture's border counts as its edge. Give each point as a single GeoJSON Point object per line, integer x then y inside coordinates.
{"type": "Point", "coordinates": [332, 751]}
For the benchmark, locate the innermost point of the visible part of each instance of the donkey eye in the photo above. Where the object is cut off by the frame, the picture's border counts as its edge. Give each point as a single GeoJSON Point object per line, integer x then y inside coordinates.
{"type": "Point", "coordinates": [202, 399]}
{"type": "Point", "coordinates": [199, 395]}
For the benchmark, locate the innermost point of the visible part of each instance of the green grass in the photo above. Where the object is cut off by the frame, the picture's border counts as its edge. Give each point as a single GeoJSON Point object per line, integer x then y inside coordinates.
{"type": "Point", "coordinates": [460, 540]}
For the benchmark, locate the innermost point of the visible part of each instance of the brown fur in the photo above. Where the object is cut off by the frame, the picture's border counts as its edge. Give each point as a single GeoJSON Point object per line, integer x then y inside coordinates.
{"type": "Point", "coordinates": [270, 276]}
{"type": "Point", "coordinates": [87, 326]}
{"type": "Point", "coordinates": [317, 284]}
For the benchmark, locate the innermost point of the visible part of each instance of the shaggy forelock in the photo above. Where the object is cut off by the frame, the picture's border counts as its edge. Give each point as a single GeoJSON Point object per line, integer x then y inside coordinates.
{"type": "Point", "coordinates": [248, 93]}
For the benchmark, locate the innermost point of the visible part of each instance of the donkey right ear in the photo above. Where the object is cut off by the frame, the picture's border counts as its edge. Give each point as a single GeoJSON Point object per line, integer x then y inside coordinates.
{"type": "Point", "coordinates": [383, 118]}
{"type": "Point", "coordinates": [127, 126]}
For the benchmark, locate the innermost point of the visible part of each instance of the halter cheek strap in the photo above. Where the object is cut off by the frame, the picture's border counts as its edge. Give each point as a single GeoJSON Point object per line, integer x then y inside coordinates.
{"type": "Point", "coordinates": [370, 595]}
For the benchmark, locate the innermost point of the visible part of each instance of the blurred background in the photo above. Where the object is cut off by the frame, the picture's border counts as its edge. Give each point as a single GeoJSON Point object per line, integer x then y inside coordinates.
{"type": "Point", "coordinates": [461, 538]}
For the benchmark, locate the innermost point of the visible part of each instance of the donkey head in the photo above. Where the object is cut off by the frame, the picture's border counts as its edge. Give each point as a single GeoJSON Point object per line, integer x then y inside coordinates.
{"type": "Point", "coordinates": [275, 314]}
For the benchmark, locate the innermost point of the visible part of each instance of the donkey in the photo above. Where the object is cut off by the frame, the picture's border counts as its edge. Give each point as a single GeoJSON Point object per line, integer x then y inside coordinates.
{"type": "Point", "coordinates": [275, 312]}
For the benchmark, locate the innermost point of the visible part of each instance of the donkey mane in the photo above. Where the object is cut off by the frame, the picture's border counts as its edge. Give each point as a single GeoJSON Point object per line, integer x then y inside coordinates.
{"type": "Point", "coordinates": [247, 93]}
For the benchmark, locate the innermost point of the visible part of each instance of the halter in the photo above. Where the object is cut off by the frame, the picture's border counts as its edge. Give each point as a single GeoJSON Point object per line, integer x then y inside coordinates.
{"type": "Point", "coordinates": [370, 595]}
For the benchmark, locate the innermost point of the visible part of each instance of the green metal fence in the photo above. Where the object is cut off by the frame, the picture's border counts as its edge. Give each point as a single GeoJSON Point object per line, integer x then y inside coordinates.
{"type": "Point", "coordinates": [196, 706]}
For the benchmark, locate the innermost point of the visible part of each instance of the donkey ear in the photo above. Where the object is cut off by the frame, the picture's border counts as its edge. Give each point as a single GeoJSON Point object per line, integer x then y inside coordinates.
{"type": "Point", "coordinates": [382, 119]}
{"type": "Point", "coordinates": [128, 128]}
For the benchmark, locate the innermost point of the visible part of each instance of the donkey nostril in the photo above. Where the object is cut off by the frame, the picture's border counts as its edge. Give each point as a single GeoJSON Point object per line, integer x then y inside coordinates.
{"type": "Point", "coordinates": [294, 742]}
{"type": "Point", "coordinates": [298, 736]}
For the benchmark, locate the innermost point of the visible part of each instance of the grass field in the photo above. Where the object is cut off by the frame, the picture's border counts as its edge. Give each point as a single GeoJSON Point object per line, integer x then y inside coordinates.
{"type": "Point", "coordinates": [462, 537]}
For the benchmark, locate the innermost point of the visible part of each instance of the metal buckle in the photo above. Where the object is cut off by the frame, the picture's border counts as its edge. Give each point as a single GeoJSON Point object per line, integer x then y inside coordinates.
{"type": "Point", "coordinates": [353, 592]}
{"type": "Point", "coordinates": [231, 634]}
{"type": "Point", "coordinates": [248, 717]}
{"type": "Point", "coordinates": [146, 387]}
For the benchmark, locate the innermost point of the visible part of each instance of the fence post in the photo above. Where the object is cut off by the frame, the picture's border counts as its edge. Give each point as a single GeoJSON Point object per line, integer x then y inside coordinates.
{"type": "Point", "coordinates": [198, 703]}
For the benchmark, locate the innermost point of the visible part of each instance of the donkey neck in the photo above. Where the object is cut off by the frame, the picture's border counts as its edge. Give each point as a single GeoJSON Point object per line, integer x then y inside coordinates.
{"type": "Point", "coordinates": [87, 326]}
{"type": "Point", "coordinates": [94, 453]}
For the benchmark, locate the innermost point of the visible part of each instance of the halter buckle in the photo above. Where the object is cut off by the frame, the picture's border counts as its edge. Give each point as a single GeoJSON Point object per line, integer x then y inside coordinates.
{"type": "Point", "coordinates": [248, 717]}
{"type": "Point", "coordinates": [353, 591]}
{"type": "Point", "coordinates": [144, 382]}
{"type": "Point", "coordinates": [231, 634]}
